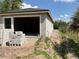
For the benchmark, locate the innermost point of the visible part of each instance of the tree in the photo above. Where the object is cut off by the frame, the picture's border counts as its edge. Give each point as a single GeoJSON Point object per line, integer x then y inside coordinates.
{"type": "Point", "coordinates": [15, 4]}
{"type": "Point", "coordinates": [74, 26]}
{"type": "Point", "coordinates": [7, 5]}
{"type": "Point", "coordinates": [4, 6]}
{"type": "Point", "coordinates": [61, 25]}
{"type": "Point", "coordinates": [75, 23]}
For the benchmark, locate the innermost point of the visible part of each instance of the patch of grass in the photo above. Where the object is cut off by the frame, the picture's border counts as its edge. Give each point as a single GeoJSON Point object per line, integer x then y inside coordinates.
{"type": "Point", "coordinates": [47, 41]}
{"type": "Point", "coordinates": [38, 52]}
{"type": "Point", "coordinates": [38, 41]}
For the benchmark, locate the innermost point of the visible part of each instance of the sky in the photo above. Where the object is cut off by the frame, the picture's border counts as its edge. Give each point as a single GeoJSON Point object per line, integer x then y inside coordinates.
{"type": "Point", "coordinates": [60, 9]}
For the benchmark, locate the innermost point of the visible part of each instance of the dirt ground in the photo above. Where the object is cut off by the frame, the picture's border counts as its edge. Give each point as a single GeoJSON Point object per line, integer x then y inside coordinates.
{"type": "Point", "coordinates": [12, 52]}
{"type": "Point", "coordinates": [16, 51]}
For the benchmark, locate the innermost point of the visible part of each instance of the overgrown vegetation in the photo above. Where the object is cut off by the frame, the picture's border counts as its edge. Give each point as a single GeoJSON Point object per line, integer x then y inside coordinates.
{"type": "Point", "coordinates": [70, 36]}
{"type": "Point", "coordinates": [41, 52]}
{"type": "Point", "coordinates": [61, 25]}
{"type": "Point", "coordinates": [47, 44]}
{"type": "Point", "coordinates": [69, 45]}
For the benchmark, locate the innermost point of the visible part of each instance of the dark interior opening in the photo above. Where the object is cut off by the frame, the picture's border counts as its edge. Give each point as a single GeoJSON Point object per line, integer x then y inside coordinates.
{"type": "Point", "coordinates": [29, 25]}
{"type": "Point", "coordinates": [8, 23]}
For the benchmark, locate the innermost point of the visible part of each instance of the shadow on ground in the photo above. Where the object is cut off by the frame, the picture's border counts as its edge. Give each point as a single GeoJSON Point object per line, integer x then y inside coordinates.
{"type": "Point", "coordinates": [67, 46]}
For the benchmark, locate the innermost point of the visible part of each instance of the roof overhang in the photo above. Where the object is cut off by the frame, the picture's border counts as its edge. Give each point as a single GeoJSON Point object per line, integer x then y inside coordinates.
{"type": "Point", "coordinates": [29, 12]}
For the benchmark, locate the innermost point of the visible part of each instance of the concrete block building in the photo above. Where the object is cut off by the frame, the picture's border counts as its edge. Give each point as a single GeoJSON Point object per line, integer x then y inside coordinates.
{"type": "Point", "coordinates": [24, 22]}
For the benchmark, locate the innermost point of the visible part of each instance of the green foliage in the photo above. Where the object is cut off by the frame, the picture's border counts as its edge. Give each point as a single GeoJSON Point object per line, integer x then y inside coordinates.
{"type": "Point", "coordinates": [72, 34]}
{"type": "Point", "coordinates": [47, 40]}
{"type": "Point", "coordinates": [76, 15]}
{"type": "Point", "coordinates": [75, 22]}
{"type": "Point", "coordinates": [70, 44]}
{"type": "Point", "coordinates": [70, 37]}
{"type": "Point", "coordinates": [38, 52]}
{"type": "Point", "coordinates": [43, 52]}
{"type": "Point", "coordinates": [61, 25]}
{"type": "Point", "coordinates": [38, 41]}
{"type": "Point", "coordinates": [4, 6]}
{"type": "Point", "coordinates": [16, 4]}
{"type": "Point", "coordinates": [7, 5]}
{"type": "Point", "coordinates": [56, 24]}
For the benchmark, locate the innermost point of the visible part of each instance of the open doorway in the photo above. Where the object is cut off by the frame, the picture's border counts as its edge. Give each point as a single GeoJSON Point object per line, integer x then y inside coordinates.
{"type": "Point", "coordinates": [29, 25]}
